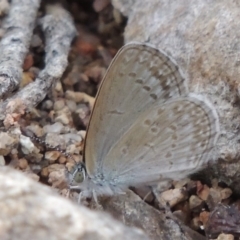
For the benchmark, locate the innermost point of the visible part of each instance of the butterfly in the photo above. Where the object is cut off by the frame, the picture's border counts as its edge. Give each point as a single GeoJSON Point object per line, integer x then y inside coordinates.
{"type": "Point", "coordinates": [146, 127]}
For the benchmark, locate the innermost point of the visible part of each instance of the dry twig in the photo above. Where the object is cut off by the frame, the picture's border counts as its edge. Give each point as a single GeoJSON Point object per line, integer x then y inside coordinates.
{"type": "Point", "coordinates": [59, 32]}
{"type": "Point", "coordinates": [15, 42]}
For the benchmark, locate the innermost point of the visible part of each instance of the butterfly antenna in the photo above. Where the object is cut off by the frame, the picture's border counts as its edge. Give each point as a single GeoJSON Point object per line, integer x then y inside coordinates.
{"type": "Point", "coordinates": [31, 135]}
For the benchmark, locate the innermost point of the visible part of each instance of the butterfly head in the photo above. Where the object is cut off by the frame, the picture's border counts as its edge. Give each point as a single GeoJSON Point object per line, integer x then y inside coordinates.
{"type": "Point", "coordinates": [77, 174]}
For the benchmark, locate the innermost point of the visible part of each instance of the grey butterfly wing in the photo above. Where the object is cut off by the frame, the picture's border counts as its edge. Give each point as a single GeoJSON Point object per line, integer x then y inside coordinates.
{"type": "Point", "coordinates": [138, 77]}
{"type": "Point", "coordinates": [139, 81]}
{"type": "Point", "coordinates": [167, 141]}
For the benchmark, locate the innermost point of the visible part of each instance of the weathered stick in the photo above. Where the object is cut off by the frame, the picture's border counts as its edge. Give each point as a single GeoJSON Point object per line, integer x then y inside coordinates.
{"type": "Point", "coordinates": [59, 32]}
{"type": "Point", "coordinates": [14, 46]}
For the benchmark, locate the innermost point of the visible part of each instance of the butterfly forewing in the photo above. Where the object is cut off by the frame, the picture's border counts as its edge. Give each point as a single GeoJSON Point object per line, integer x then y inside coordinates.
{"type": "Point", "coordinates": [143, 122]}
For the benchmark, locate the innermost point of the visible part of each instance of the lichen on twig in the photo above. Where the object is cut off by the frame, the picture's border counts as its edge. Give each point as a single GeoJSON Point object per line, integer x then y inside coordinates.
{"type": "Point", "coordinates": [59, 31]}
{"type": "Point", "coordinates": [14, 45]}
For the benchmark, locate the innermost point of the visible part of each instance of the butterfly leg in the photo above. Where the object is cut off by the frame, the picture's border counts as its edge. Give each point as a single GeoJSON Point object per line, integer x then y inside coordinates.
{"type": "Point", "coordinates": [98, 206]}
{"type": "Point", "coordinates": [80, 197]}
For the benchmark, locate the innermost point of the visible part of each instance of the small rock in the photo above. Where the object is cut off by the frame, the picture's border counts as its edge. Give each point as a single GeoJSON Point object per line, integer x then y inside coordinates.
{"type": "Point", "coordinates": [52, 156]}
{"type": "Point", "coordinates": [47, 105]}
{"type": "Point", "coordinates": [82, 133]}
{"type": "Point", "coordinates": [4, 7]}
{"type": "Point", "coordinates": [54, 128]}
{"type": "Point", "coordinates": [57, 176]}
{"type": "Point", "coordinates": [203, 217]}
{"type": "Point", "coordinates": [191, 186]}
{"type": "Point", "coordinates": [225, 193]}
{"type": "Point", "coordinates": [36, 168]}
{"type": "Point", "coordinates": [145, 193]}
{"type": "Point", "coordinates": [181, 215]}
{"type": "Point", "coordinates": [174, 196]}
{"type": "Point", "coordinates": [44, 172]}
{"type": "Point", "coordinates": [84, 77]}
{"type": "Point", "coordinates": [224, 236]}
{"type": "Point", "coordinates": [2, 161]}
{"type": "Point", "coordinates": [213, 199]}
{"type": "Point", "coordinates": [214, 183]}
{"type": "Point", "coordinates": [195, 223]}
{"type": "Point", "coordinates": [69, 137]}
{"type": "Point", "coordinates": [202, 191]}
{"type": "Point", "coordinates": [80, 97]}
{"type": "Point", "coordinates": [28, 62]}
{"type": "Point", "coordinates": [99, 5]}
{"type": "Point", "coordinates": [27, 145]}
{"type": "Point", "coordinates": [36, 129]}
{"type": "Point", "coordinates": [27, 77]}
{"type": "Point", "coordinates": [7, 143]}
{"type": "Point", "coordinates": [71, 105]}
{"type": "Point", "coordinates": [58, 88]}
{"type": "Point", "coordinates": [181, 183]}
{"type": "Point", "coordinates": [95, 73]}
{"type": "Point", "coordinates": [35, 157]}
{"type": "Point", "coordinates": [62, 159]}
{"type": "Point", "coordinates": [23, 163]}
{"type": "Point", "coordinates": [59, 105]}
{"type": "Point", "coordinates": [83, 114]}
{"type": "Point", "coordinates": [63, 118]}
{"type": "Point", "coordinates": [33, 176]}
{"type": "Point", "coordinates": [73, 149]}
{"type": "Point", "coordinates": [87, 44]}
{"type": "Point", "coordinates": [195, 203]}
{"type": "Point", "coordinates": [55, 140]}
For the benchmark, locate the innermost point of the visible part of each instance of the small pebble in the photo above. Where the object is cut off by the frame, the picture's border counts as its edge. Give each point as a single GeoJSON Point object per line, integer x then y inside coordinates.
{"type": "Point", "coordinates": [181, 183]}
{"type": "Point", "coordinates": [63, 118]}
{"type": "Point", "coordinates": [23, 164]}
{"type": "Point", "coordinates": [7, 143]}
{"type": "Point", "coordinates": [4, 7]}
{"type": "Point", "coordinates": [57, 176]}
{"type": "Point", "coordinates": [33, 176]}
{"type": "Point", "coordinates": [27, 77]}
{"type": "Point", "coordinates": [195, 223]}
{"type": "Point", "coordinates": [28, 62]}
{"type": "Point", "coordinates": [72, 137]}
{"type": "Point", "coordinates": [59, 105]}
{"type": "Point", "coordinates": [36, 129]}
{"type": "Point", "coordinates": [27, 145]}
{"type": "Point", "coordinates": [224, 236]}
{"type": "Point", "coordinates": [45, 172]}
{"type": "Point", "coordinates": [204, 216]}
{"type": "Point", "coordinates": [54, 128]}
{"type": "Point", "coordinates": [145, 193]}
{"type": "Point", "coordinates": [174, 196]}
{"type": "Point", "coordinates": [58, 88]}
{"type": "Point", "coordinates": [55, 140]}
{"type": "Point", "coordinates": [226, 193]}
{"type": "Point", "coordinates": [2, 161]}
{"type": "Point", "coordinates": [203, 191]}
{"type": "Point", "coordinates": [62, 159]}
{"type": "Point", "coordinates": [47, 105]}
{"type": "Point", "coordinates": [180, 215]}
{"type": "Point", "coordinates": [213, 199]}
{"type": "Point", "coordinates": [71, 105]}
{"type": "Point", "coordinates": [195, 203]}
{"type": "Point", "coordinates": [52, 156]}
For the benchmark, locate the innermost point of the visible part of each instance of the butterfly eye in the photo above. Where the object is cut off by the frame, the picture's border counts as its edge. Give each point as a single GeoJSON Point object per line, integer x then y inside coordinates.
{"type": "Point", "coordinates": [78, 177]}
{"type": "Point", "coordinates": [77, 174]}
